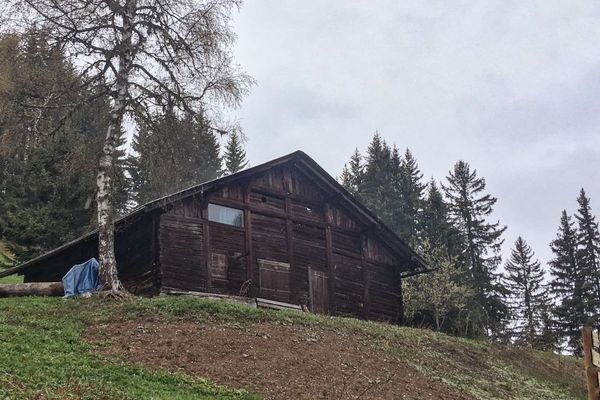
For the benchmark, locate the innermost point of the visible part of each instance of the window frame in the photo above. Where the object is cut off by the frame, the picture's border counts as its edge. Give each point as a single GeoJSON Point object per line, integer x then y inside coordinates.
{"type": "Point", "coordinates": [215, 221]}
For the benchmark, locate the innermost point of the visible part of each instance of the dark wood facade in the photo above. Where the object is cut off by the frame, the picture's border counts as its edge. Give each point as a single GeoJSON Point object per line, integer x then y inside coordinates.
{"type": "Point", "coordinates": [284, 231]}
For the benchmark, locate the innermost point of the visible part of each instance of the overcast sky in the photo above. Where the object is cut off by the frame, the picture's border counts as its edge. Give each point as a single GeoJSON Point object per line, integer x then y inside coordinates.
{"type": "Point", "coordinates": [512, 87]}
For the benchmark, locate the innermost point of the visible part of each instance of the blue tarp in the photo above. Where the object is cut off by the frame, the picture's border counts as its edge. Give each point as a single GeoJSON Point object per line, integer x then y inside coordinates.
{"type": "Point", "coordinates": [82, 278]}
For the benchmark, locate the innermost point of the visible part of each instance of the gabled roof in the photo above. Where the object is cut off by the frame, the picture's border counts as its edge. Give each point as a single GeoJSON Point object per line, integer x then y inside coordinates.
{"type": "Point", "coordinates": [416, 263]}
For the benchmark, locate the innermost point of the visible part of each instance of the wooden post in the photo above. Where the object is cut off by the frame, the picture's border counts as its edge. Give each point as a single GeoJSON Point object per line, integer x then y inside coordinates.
{"type": "Point", "coordinates": [366, 276]}
{"type": "Point", "coordinates": [248, 241]}
{"type": "Point", "coordinates": [289, 227]}
{"type": "Point", "coordinates": [207, 255]}
{"type": "Point", "coordinates": [330, 260]}
{"type": "Point", "coordinates": [591, 370]}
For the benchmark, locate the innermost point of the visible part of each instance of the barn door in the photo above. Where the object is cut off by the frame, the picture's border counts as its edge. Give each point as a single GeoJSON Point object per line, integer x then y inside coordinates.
{"type": "Point", "coordinates": [317, 291]}
{"type": "Point", "coordinates": [274, 280]}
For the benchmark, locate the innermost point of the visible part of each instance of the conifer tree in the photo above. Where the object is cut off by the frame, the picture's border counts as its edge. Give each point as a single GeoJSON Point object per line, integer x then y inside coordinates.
{"type": "Point", "coordinates": [48, 156]}
{"type": "Point", "coordinates": [435, 222]}
{"type": "Point", "coordinates": [172, 153]}
{"type": "Point", "coordinates": [549, 338]}
{"type": "Point", "coordinates": [389, 185]}
{"type": "Point", "coordinates": [235, 155]}
{"type": "Point", "coordinates": [588, 243]}
{"type": "Point", "coordinates": [524, 282]}
{"type": "Point", "coordinates": [378, 192]}
{"type": "Point", "coordinates": [352, 177]}
{"type": "Point", "coordinates": [469, 208]}
{"type": "Point", "coordinates": [569, 286]}
{"type": "Point", "coordinates": [410, 199]}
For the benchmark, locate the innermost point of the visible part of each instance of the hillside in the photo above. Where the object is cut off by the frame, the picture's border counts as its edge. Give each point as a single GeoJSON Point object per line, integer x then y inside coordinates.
{"type": "Point", "coordinates": [168, 347]}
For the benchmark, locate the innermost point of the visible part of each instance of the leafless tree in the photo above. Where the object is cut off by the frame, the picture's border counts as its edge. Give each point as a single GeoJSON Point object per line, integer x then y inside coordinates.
{"type": "Point", "coordinates": [141, 53]}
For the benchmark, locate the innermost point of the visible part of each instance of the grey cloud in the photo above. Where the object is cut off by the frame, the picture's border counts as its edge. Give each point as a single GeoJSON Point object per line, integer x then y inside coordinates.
{"type": "Point", "coordinates": [512, 87]}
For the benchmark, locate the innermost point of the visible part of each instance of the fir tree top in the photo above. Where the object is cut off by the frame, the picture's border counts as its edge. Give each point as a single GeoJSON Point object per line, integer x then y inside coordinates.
{"type": "Point", "coordinates": [235, 155]}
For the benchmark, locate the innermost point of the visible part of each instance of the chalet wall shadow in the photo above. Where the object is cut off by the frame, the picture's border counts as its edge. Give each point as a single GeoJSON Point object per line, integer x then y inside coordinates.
{"type": "Point", "coordinates": [284, 230]}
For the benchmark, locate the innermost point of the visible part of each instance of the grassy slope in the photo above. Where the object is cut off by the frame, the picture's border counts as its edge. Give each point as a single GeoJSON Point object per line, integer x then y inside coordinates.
{"type": "Point", "coordinates": [41, 353]}
{"type": "Point", "coordinates": [11, 279]}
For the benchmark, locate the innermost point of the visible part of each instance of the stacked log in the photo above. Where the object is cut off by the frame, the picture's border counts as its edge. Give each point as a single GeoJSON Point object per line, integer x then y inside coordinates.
{"type": "Point", "coordinates": [32, 289]}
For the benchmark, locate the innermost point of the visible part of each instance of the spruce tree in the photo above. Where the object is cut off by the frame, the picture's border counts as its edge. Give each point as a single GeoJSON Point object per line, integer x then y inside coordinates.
{"type": "Point", "coordinates": [469, 208]}
{"type": "Point", "coordinates": [588, 243]}
{"type": "Point", "coordinates": [235, 155]}
{"type": "Point", "coordinates": [378, 190]}
{"type": "Point", "coordinates": [48, 154]}
{"type": "Point", "coordinates": [172, 152]}
{"type": "Point", "coordinates": [410, 199]}
{"type": "Point", "coordinates": [352, 178]}
{"type": "Point", "coordinates": [524, 282]}
{"type": "Point", "coordinates": [435, 223]}
{"type": "Point", "coordinates": [569, 286]}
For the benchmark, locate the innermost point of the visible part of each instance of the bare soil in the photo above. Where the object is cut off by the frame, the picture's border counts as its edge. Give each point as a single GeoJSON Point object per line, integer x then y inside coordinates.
{"type": "Point", "coordinates": [271, 360]}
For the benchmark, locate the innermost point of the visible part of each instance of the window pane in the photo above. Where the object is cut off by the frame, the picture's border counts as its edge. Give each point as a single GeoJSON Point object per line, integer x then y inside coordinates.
{"type": "Point", "coordinates": [225, 215]}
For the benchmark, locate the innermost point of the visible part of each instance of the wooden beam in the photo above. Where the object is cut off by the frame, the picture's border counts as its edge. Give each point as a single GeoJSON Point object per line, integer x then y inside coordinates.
{"type": "Point", "coordinates": [330, 260]}
{"type": "Point", "coordinates": [366, 276]}
{"type": "Point", "coordinates": [289, 227]}
{"type": "Point", "coordinates": [400, 318]}
{"type": "Point", "coordinates": [206, 264]}
{"type": "Point", "coordinates": [591, 371]}
{"type": "Point", "coordinates": [156, 249]}
{"type": "Point", "coordinates": [12, 270]}
{"type": "Point", "coordinates": [248, 239]}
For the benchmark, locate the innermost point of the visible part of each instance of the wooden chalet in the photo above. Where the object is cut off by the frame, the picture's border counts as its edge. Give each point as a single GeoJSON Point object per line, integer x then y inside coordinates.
{"type": "Point", "coordinates": [284, 230]}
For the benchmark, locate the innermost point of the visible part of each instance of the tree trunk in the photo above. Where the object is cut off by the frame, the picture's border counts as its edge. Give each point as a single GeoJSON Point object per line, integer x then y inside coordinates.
{"type": "Point", "coordinates": [104, 197]}
{"type": "Point", "coordinates": [106, 228]}
{"type": "Point", "coordinates": [32, 289]}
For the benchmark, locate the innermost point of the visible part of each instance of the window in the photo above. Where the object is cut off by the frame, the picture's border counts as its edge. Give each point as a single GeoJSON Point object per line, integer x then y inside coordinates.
{"type": "Point", "coordinates": [218, 266]}
{"type": "Point", "coordinates": [226, 215]}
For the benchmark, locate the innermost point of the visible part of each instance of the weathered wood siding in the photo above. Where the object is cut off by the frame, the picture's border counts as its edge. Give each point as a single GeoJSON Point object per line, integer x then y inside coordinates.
{"type": "Point", "coordinates": [294, 229]}
{"type": "Point", "coordinates": [182, 255]}
{"type": "Point", "coordinates": [135, 251]}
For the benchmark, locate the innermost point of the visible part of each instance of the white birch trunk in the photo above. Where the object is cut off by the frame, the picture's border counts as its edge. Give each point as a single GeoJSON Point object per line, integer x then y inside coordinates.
{"type": "Point", "coordinates": [104, 197]}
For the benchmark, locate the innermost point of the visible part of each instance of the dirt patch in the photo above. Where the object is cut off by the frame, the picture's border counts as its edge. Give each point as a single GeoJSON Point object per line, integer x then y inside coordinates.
{"type": "Point", "coordinates": [274, 361]}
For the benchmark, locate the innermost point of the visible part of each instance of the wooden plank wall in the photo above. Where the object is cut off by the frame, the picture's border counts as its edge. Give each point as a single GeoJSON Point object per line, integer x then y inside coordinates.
{"type": "Point", "coordinates": [289, 219]}
{"type": "Point", "coordinates": [181, 241]}
{"type": "Point", "coordinates": [134, 249]}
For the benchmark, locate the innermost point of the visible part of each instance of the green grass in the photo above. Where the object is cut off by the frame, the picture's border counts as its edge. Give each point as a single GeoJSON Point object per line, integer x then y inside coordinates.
{"type": "Point", "coordinates": [11, 279]}
{"type": "Point", "coordinates": [42, 356]}
{"type": "Point", "coordinates": [41, 352]}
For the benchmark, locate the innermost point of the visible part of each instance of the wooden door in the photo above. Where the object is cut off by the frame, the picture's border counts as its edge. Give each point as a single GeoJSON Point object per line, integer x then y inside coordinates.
{"type": "Point", "coordinates": [274, 280]}
{"type": "Point", "coordinates": [317, 291]}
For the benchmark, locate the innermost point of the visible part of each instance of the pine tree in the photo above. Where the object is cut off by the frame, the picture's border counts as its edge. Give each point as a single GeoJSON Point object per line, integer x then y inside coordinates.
{"type": "Point", "coordinates": [569, 287]}
{"type": "Point", "coordinates": [171, 153]}
{"type": "Point", "coordinates": [410, 199]}
{"type": "Point", "coordinates": [549, 338]}
{"type": "Point", "coordinates": [353, 175]}
{"type": "Point", "coordinates": [469, 207]}
{"type": "Point", "coordinates": [48, 155]}
{"type": "Point", "coordinates": [235, 155]}
{"type": "Point", "coordinates": [435, 223]}
{"type": "Point", "coordinates": [524, 282]}
{"type": "Point", "coordinates": [378, 191]}
{"type": "Point", "coordinates": [588, 243]}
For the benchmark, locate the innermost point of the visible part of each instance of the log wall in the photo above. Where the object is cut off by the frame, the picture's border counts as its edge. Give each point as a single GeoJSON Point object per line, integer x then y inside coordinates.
{"type": "Point", "coordinates": [135, 251]}
{"type": "Point", "coordinates": [296, 237]}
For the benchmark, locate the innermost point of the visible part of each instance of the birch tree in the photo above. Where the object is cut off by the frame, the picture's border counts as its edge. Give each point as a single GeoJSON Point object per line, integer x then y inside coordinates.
{"type": "Point", "coordinates": [141, 54]}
